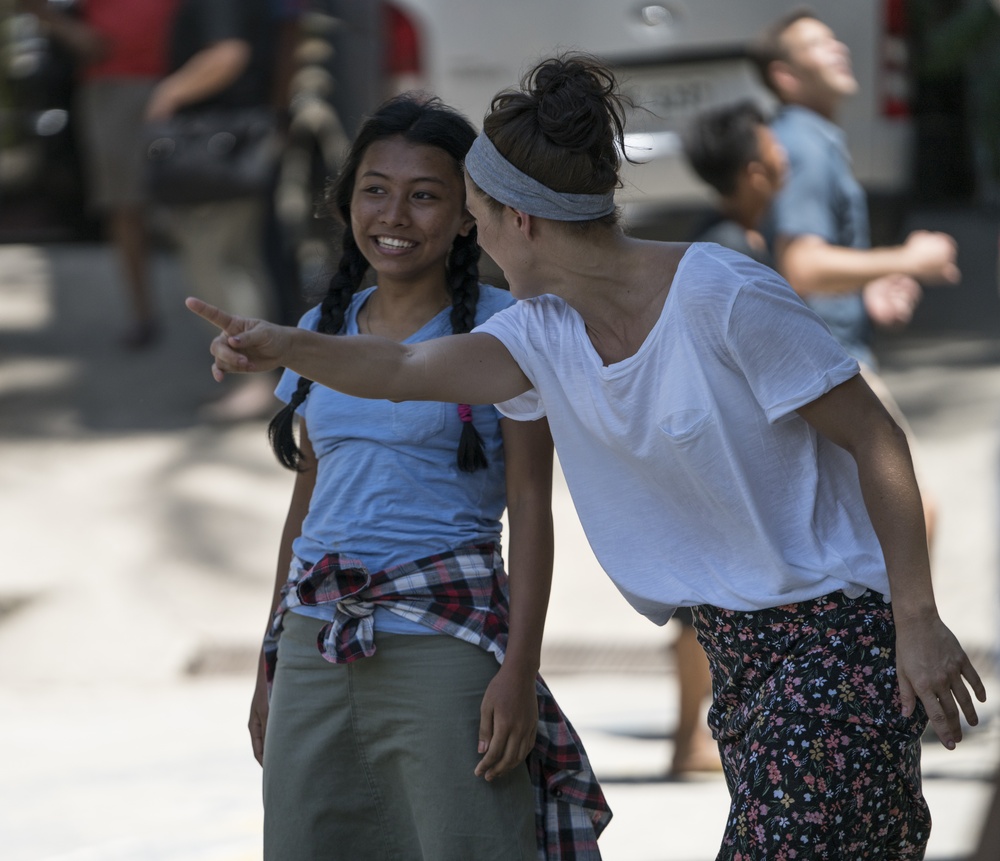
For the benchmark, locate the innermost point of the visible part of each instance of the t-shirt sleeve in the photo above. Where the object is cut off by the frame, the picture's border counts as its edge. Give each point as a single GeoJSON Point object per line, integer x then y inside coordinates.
{"type": "Point", "coordinates": [805, 203]}
{"type": "Point", "coordinates": [784, 350]}
{"type": "Point", "coordinates": [509, 327]}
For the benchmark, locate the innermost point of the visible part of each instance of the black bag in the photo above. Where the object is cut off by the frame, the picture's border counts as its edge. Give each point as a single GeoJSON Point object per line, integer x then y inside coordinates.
{"type": "Point", "coordinates": [212, 154]}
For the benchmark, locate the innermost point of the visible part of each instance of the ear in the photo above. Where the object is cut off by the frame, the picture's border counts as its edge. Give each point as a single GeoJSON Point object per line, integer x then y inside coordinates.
{"type": "Point", "coordinates": [756, 175]}
{"type": "Point", "coordinates": [782, 77]}
{"type": "Point", "coordinates": [467, 223]}
{"type": "Point", "coordinates": [524, 222]}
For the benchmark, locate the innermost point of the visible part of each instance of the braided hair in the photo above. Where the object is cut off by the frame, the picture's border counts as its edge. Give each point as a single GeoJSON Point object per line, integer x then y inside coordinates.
{"type": "Point", "coordinates": [418, 120]}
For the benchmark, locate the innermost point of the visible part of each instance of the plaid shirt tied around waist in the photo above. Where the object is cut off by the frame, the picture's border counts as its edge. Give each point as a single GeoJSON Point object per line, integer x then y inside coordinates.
{"type": "Point", "coordinates": [462, 593]}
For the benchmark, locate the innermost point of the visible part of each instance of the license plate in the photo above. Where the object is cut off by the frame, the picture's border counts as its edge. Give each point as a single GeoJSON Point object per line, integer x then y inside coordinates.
{"type": "Point", "coordinates": [667, 97]}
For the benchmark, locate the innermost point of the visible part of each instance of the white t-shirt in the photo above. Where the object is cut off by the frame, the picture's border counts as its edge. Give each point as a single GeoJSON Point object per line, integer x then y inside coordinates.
{"type": "Point", "coordinates": [693, 476]}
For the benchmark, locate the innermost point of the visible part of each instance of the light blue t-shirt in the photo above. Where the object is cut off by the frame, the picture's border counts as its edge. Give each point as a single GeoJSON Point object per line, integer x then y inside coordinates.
{"type": "Point", "coordinates": [821, 197]}
{"type": "Point", "coordinates": [388, 487]}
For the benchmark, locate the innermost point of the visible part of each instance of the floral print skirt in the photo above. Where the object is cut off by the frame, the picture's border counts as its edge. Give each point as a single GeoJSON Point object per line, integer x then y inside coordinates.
{"type": "Point", "coordinates": [820, 762]}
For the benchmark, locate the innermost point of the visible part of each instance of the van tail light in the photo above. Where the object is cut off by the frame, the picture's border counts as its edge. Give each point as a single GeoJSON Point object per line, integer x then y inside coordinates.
{"type": "Point", "coordinates": [894, 78]}
{"type": "Point", "coordinates": [402, 62]}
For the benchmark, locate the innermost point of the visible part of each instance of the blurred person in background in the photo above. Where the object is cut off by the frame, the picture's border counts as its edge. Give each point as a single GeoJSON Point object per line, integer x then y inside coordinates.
{"type": "Point", "coordinates": [818, 225]}
{"type": "Point", "coordinates": [121, 48]}
{"type": "Point", "coordinates": [735, 152]}
{"type": "Point", "coordinates": [222, 55]}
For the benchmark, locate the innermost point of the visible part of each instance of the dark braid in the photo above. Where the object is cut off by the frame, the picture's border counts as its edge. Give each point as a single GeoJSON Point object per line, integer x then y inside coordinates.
{"type": "Point", "coordinates": [416, 119]}
{"type": "Point", "coordinates": [343, 285]}
{"type": "Point", "coordinates": [463, 283]}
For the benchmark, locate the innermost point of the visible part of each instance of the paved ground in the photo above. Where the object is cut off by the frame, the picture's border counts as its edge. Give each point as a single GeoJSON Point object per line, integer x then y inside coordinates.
{"type": "Point", "coordinates": [137, 545]}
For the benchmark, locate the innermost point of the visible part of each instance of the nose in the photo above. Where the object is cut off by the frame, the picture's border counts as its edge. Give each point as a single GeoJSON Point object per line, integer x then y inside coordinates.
{"type": "Point", "coordinates": [393, 211]}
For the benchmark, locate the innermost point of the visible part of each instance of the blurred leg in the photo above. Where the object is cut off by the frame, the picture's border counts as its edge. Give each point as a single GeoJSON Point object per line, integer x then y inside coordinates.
{"type": "Point", "coordinates": [694, 749]}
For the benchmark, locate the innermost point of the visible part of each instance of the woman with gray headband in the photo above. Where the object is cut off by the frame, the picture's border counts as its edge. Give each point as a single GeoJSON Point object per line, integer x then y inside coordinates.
{"type": "Point", "coordinates": [722, 453]}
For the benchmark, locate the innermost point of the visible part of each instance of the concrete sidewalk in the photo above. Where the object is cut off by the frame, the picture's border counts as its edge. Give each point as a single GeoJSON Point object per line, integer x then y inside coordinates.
{"type": "Point", "coordinates": [138, 545]}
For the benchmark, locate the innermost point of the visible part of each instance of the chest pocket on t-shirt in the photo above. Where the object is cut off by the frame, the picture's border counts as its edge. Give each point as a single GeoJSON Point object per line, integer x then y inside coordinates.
{"type": "Point", "coordinates": [693, 446]}
{"type": "Point", "coordinates": [684, 426]}
{"type": "Point", "coordinates": [418, 421]}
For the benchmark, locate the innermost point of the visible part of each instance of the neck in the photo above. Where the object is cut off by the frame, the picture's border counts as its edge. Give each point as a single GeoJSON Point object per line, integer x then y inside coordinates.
{"type": "Point", "coordinates": [617, 284]}
{"type": "Point", "coordinates": [826, 109]}
{"type": "Point", "coordinates": [397, 311]}
{"type": "Point", "coordinates": [745, 210]}
{"type": "Point", "coordinates": [581, 269]}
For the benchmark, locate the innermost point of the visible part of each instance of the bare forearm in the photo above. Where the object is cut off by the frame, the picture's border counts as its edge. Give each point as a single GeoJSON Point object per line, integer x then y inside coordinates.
{"type": "Point", "coordinates": [820, 268]}
{"type": "Point", "coordinates": [812, 265]}
{"type": "Point", "coordinates": [530, 561]}
{"type": "Point", "coordinates": [208, 72]}
{"type": "Point", "coordinates": [468, 369]}
{"type": "Point", "coordinates": [529, 455]}
{"type": "Point", "coordinates": [893, 501]}
{"type": "Point", "coordinates": [363, 366]}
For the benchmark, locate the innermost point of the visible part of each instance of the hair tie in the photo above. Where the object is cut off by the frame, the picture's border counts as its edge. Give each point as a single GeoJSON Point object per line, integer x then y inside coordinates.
{"type": "Point", "coordinates": [465, 413]}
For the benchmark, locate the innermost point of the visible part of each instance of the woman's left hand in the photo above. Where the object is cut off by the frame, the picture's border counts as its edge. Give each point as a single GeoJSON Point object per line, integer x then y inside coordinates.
{"type": "Point", "coordinates": [932, 667]}
{"type": "Point", "coordinates": [508, 722]}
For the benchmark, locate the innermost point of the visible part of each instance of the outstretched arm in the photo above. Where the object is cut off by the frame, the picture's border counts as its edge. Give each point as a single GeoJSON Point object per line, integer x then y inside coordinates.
{"type": "Point", "coordinates": [931, 664]}
{"type": "Point", "coordinates": [509, 712]}
{"type": "Point", "coordinates": [466, 369]}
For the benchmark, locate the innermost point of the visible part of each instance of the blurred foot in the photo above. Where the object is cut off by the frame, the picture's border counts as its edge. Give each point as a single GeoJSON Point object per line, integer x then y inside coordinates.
{"type": "Point", "coordinates": [140, 335]}
{"type": "Point", "coordinates": [701, 757]}
{"type": "Point", "coordinates": [250, 399]}
{"type": "Point", "coordinates": [706, 763]}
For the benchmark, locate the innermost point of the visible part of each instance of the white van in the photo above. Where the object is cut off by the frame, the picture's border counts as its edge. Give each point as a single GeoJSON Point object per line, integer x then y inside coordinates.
{"type": "Point", "coordinates": [674, 58]}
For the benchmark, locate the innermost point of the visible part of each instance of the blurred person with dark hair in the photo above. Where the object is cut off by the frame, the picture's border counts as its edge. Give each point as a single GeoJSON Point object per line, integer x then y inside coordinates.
{"type": "Point", "coordinates": [733, 150]}
{"type": "Point", "coordinates": [121, 46]}
{"type": "Point", "coordinates": [819, 225]}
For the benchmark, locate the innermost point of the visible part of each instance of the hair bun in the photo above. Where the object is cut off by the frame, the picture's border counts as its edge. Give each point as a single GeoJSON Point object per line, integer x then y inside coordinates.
{"type": "Point", "coordinates": [571, 96]}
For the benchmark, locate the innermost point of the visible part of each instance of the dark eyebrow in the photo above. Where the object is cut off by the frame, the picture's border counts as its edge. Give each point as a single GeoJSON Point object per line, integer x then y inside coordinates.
{"type": "Point", "coordinates": [416, 179]}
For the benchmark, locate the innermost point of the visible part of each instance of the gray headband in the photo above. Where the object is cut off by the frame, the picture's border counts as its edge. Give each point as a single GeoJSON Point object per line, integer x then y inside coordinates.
{"type": "Point", "coordinates": [505, 183]}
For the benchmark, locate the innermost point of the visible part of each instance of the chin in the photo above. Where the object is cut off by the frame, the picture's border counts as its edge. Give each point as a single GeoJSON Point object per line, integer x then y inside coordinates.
{"type": "Point", "coordinates": [521, 290]}
{"type": "Point", "coordinates": [848, 85]}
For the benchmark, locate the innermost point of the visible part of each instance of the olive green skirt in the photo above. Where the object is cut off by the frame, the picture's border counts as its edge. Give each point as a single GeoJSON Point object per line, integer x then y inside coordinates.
{"type": "Point", "coordinates": [374, 760]}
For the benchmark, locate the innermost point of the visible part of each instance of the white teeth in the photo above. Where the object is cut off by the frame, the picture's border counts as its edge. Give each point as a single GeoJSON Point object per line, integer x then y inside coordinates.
{"type": "Point", "coordinates": [391, 242]}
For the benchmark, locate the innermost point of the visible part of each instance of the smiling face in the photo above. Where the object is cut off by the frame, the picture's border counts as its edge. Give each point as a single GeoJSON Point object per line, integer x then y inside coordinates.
{"type": "Point", "coordinates": [407, 206]}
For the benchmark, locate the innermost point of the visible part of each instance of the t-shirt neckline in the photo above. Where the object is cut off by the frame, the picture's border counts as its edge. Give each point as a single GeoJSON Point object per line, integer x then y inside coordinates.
{"type": "Point", "coordinates": [618, 368]}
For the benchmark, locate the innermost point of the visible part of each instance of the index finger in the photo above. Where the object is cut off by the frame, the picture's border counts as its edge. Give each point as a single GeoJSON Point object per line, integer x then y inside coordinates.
{"type": "Point", "coordinates": [215, 316]}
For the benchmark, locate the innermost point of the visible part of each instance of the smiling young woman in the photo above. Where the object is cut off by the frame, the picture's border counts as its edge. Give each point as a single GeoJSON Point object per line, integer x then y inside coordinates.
{"type": "Point", "coordinates": [385, 725]}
